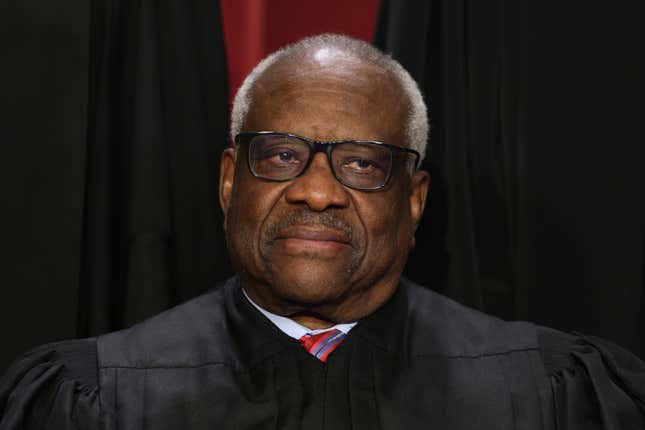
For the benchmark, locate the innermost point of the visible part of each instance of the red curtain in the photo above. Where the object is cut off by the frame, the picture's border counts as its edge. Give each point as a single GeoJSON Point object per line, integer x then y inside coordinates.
{"type": "Point", "coordinates": [255, 28]}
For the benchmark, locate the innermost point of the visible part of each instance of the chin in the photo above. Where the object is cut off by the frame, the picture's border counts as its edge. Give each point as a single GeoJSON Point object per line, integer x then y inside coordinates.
{"type": "Point", "coordinates": [311, 288]}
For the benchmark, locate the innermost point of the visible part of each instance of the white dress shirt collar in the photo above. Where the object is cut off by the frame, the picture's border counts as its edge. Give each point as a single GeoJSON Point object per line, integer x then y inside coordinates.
{"type": "Point", "coordinates": [292, 328]}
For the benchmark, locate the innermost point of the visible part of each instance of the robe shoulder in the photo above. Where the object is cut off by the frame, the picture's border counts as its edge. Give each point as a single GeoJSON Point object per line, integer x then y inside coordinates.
{"type": "Point", "coordinates": [588, 382]}
{"type": "Point", "coordinates": [58, 385]}
{"type": "Point", "coordinates": [53, 386]}
{"type": "Point", "coordinates": [437, 325]}
{"type": "Point", "coordinates": [594, 383]}
{"type": "Point", "coordinates": [194, 333]}
{"type": "Point", "coordinates": [218, 328]}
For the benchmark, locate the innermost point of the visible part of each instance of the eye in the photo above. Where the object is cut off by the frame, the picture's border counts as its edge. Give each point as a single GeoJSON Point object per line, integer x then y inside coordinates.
{"type": "Point", "coordinates": [360, 165]}
{"type": "Point", "coordinates": [286, 156]}
{"type": "Point", "coordinates": [281, 156]}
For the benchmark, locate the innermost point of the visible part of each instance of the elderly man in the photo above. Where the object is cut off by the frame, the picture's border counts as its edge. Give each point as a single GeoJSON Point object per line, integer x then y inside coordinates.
{"type": "Point", "coordinates": [321, 197]}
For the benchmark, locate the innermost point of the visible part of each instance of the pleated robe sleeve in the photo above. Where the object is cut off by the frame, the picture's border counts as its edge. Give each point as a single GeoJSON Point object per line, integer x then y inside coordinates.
{"type": "Point", "coordinates": [52, 387]}
{"type": "Point", "coordinates": [594, 384]}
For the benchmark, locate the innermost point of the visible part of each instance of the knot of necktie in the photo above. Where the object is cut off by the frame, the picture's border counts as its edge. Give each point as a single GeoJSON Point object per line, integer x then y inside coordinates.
{"type": "Point", "coordinates": [320, 345]}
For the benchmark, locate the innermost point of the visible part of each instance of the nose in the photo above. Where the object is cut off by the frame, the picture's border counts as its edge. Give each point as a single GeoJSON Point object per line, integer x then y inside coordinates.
{"type": "Point", "coordinates": [317, 187]}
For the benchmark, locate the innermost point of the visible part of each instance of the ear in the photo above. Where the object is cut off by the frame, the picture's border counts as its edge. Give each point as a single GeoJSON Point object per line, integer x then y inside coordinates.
{"type": "Point", "coordinates": [418, 195]}
{"type": "Point", "coordinates": [226, 180]}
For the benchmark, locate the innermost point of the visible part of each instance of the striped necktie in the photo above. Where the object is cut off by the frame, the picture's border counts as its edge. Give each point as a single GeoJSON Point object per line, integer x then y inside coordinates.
{"type": "Point", "coordinates": [322, 344]}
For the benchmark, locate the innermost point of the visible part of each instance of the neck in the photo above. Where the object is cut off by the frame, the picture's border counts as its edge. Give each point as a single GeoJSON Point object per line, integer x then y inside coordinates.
{"type": "Point", "coordinates": [311, 322]}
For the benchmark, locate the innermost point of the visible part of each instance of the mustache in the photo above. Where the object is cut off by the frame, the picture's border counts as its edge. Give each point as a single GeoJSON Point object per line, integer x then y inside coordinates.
{"type": "Point", "coordinates": [330, 218]}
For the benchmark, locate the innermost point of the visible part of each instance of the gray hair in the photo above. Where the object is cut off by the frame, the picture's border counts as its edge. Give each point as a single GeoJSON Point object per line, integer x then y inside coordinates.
{"type": "Point", "coordinates": [417, 122]}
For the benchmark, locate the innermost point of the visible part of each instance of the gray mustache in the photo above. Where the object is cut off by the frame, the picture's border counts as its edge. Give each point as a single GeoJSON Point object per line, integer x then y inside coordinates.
{"type": "Point", "coordinates": [305, 217]}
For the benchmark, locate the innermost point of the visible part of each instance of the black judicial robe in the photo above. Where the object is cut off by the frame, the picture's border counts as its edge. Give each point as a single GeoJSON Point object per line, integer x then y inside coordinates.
{"type": "Point", "coordinates": [420, 362]}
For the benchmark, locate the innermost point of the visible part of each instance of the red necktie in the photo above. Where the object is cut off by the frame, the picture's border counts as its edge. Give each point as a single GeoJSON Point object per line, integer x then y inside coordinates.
{"type": "Point", "coordinates": [322, 344]}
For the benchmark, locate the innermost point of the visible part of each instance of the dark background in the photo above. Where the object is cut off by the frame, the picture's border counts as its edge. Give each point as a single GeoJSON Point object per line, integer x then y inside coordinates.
{"type": "Point", "coordinates": [113, 113]}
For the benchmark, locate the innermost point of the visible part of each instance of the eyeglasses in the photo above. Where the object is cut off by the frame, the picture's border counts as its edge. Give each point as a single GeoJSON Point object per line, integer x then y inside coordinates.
{"type": "Point", "coordinates": [358, 164]}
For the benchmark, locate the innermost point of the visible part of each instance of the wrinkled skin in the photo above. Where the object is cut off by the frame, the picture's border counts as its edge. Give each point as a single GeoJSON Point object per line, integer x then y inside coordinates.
{"type": "Point", "coordinates": [311, 248]}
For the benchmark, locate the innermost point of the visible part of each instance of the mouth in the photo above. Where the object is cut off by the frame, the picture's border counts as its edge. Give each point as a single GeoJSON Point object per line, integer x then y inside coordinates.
{"type": "Point", "coordinates": [299, 238]}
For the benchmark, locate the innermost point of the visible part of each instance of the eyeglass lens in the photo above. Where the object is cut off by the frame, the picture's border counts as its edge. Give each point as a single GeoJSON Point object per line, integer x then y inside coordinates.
{"type": "Point", "coordinates": [356, 164]}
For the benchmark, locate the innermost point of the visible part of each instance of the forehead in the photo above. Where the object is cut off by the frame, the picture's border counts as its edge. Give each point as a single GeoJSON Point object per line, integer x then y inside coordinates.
{"type": "Point", "coordinates": [331, 98]}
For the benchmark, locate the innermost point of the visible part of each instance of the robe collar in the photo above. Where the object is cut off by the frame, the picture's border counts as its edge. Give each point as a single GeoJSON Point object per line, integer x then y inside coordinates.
{"type": "Point", "coordinates": [385, 328]}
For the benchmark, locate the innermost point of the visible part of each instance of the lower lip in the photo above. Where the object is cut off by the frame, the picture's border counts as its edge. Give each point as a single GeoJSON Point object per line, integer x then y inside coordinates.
{"type": "Point", "coordinates": [295, 244]}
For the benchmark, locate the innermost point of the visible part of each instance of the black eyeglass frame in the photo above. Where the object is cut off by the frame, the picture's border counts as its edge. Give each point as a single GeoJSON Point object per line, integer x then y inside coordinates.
{"type": "Point", "coordinates": [316, 146]}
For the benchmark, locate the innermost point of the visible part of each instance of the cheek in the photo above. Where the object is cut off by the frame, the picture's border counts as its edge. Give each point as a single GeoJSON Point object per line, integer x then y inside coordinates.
{"type": "Point", "coordinates": [252, 203]}
{"type": "Point", "coordinates": [387, 222]}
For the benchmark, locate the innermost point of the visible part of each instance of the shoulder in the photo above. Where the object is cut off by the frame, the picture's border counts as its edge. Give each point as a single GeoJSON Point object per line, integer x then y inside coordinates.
{"type": "Point", "coordinates": [191, 334]}
{"type": "Point", "coordinates": [457, 330]}
{"type": "Point", "coordinates": [588, 379]}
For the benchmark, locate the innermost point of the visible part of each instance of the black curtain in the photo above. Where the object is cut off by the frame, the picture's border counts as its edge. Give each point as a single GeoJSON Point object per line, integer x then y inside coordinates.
{"type": "Point", "coordinates": [43, 110]}
{"type": "Point", "coordinates": [538, 202]}
{"type": "Point", "coordinates": [158, 116]}
{"type": "Point", "coordinates": [116, 115]}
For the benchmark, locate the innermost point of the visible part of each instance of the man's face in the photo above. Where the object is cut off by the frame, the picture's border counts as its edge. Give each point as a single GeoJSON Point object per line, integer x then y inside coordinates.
{"type": "Point", "coordinates": [312, 244]}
